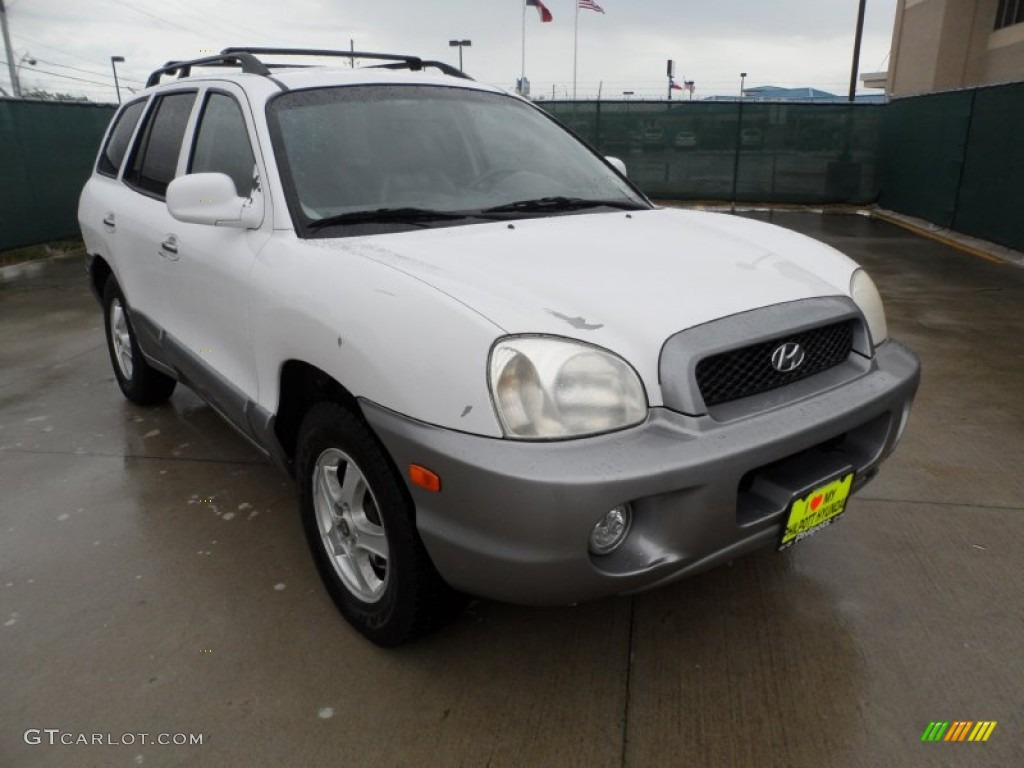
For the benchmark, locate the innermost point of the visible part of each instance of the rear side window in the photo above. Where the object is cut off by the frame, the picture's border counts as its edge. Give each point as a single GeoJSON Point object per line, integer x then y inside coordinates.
{"type": "Point", "coordinates": [222, 143]}
{"type": "Point", "coordinates": [155, 158]}
{"type": "Point", "coordinates": [117, 144]}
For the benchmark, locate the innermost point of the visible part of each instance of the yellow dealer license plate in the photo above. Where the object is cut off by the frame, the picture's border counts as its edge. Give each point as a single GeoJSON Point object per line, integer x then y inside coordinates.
{"type": "Point", "coordinates": [816, 510]}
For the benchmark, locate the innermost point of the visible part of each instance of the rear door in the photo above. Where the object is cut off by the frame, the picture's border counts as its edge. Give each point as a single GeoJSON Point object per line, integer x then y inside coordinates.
{"type": "Point", "coordinates": [147, 244]}
{"type": "Point", "coordinates": [104, 194]}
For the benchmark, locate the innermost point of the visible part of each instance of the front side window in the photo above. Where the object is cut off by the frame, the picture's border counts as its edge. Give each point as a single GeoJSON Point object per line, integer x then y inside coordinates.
{"type": "Point", "coordinates": [432, 151]}
{"type": "Point", "coordinates": [222, 143]}
{"type": "Point", "coordinates": [155, 158]}
{"type": "Point", "coordinates": [113, 153]}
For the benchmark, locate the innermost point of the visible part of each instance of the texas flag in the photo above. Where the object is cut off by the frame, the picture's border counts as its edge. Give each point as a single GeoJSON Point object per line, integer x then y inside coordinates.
{"type": "Point", "coordinates": [674, 85]}
{"type": "Point", "coordinates": [545, 14]}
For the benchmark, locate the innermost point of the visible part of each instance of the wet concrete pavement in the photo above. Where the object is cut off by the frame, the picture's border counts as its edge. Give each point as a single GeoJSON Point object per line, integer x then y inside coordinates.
{"type": "Point", "coordinates": [154, 579]}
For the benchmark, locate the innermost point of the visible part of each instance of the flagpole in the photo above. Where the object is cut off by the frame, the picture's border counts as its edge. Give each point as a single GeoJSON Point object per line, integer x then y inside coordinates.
{"type": "Point", "coordinates": [575, 49]}
{"type": "Point", "coordinates": [522, 74]}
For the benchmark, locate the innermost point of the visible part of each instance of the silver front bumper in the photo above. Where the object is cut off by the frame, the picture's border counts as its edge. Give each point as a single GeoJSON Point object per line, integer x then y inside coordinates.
{"type": "Point", "coordinates": [512, 520]}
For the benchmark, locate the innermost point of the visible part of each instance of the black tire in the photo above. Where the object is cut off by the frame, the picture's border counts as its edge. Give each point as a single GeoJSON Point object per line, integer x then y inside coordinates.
{"type": "Point", "coordinates": [391, 599]}
{"type": "Point", "coordinates": [139, 382]}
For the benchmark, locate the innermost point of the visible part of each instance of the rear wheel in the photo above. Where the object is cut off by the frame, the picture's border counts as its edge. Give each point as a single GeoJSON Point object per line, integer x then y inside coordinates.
{"type": "Point", "coordinates": [359, 521]}
{"type": "Point", "coordinates": [139, 382]}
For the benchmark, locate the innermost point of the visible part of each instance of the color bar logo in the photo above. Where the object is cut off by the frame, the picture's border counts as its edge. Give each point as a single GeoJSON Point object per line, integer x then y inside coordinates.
{"type": "Point", "coordinates": [959, 730]}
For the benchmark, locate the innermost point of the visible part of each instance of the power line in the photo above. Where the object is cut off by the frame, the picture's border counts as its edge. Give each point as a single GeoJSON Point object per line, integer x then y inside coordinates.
{"type": "Point", "coordinates": [228, 32]}
{"type": "Point", "coordinates": [66, 77]}
{"type": "Point", "coordinates": [34, 42]}
{"type": "Point", "coordinates": [23, 39]}
{"type": "Point", "coordinates": [88, 71]}
{"type": "Point", "coordinates": [233, 27]}
{"type": "Point", "coordinates": [78, 88]}
{"type": "Point", "coordinates": [159, 18]}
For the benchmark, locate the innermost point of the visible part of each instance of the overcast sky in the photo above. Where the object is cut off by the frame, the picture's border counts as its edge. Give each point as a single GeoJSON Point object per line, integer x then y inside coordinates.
{"type": "Point", "coordinates": [783, 42]}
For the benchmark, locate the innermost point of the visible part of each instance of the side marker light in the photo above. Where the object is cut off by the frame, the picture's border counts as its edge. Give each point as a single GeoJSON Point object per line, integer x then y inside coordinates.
{"type": "Point", "coordinates": [424, 478]}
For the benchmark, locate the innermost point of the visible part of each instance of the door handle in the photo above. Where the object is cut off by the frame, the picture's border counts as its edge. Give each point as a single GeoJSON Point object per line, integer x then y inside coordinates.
{"type": "Point", "coordinates": [170, 246]}
{"type": "Point", "coordinates": [109, 222]}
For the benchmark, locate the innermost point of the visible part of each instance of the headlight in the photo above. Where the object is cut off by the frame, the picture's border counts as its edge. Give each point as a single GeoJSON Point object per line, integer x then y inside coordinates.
{"type": "Point", "coordinates": [546, 388]}
{"type": "Point", "coordinates": [866, 296]}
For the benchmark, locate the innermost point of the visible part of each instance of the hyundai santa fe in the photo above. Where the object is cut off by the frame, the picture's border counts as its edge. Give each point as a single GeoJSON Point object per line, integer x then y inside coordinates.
{"type": "Point", "coordinates": [491, 364]}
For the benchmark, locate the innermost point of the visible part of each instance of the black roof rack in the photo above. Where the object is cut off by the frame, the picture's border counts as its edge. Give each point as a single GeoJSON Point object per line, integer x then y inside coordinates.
{"type": "Point", "coordinates": [447, 69]}
{"type": "Point", "coordinates": [396, 60]}
{"type": "Point", "coordinates": [249, 64]}
{"type": "Point", "coordinates": [245, 57]}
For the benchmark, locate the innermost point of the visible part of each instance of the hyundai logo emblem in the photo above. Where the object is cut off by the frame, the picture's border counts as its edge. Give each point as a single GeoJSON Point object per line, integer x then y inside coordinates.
{"type": "Point", "coordinates": [788, 357]}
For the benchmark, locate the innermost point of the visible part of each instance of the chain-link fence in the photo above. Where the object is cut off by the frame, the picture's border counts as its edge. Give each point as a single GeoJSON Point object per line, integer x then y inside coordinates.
{"type": "Point", "coordinates": [46, 153]}
{"type": "Point", "coordinates": [743, 151]}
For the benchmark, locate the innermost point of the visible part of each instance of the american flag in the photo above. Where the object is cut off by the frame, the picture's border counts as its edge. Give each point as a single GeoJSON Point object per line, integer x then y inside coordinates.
{"type": "Point", "coordinates": [545, 14]}
{"type": "Point", "coordinates": [590, 5]}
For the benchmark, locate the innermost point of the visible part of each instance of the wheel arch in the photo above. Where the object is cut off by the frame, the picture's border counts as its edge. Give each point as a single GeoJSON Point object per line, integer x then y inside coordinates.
{"type": "Point", "coordinates": [99, 273]}
{"type": "Point", "coordinates": [301, 386]}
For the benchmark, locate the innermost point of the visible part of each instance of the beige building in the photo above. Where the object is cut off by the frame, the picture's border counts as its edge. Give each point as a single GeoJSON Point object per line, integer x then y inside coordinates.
{"type": "Point", "coordinates": [938, 45]}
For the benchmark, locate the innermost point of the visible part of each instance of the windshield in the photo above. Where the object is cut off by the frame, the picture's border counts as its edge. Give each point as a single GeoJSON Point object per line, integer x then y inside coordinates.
{"type": "Point", "coordinates": [388, 157]}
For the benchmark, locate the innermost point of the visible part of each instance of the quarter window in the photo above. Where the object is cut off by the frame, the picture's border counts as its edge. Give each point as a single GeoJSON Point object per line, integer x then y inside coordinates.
{"type": "Point", "coordinates": [222, 143]}
{"type": "Point", "coordinates": [1009, 12]}
{"type": "Point", "coordinates": [155, 159]}
{"type": "Point", "coordinates": [117, 144]}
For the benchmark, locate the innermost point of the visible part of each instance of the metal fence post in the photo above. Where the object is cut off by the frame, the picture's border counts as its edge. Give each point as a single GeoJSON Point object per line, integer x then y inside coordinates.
{"type": "Point", "coordinates": [736, 157]}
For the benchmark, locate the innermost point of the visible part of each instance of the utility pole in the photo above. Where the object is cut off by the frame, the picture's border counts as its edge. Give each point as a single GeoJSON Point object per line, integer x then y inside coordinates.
{"type": "Point", "coordinates": [15, 85]}
{"type": "Point", "coordinates": [856, 49]}
{"type": "Point", "coordinates": [522, 69]}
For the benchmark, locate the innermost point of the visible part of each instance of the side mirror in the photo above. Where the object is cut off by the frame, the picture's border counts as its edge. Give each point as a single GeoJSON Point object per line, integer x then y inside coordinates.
{"type": "Point", "coordinates": [211, 198]}
{"type": "Point", "coordinates": [617, 164]}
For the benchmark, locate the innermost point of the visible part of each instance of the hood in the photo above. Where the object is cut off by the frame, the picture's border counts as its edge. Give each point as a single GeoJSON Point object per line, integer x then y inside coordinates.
{"type": "Point", "coordinates": [623, 281]}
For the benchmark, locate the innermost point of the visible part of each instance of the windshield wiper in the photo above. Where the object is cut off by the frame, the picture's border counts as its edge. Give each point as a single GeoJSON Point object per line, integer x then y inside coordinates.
{"type": "Point", "coordinates": [557, 204]}
{"type": "Point", "coordinates": [387, 216]}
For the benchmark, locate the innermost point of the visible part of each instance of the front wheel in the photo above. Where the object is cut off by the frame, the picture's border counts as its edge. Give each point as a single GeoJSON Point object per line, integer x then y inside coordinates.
{"type": "Point", "coordinates": [140, 383]}
{"type": "Point", "coordinates": [359, 522]}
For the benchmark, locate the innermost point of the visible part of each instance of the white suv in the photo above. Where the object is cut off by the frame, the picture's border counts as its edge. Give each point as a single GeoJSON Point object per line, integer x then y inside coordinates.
{"type": "Point", "coordinates": [492, 365]}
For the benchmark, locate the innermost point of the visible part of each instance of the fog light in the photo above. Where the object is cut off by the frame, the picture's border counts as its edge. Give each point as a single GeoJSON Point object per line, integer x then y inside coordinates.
{"type": "Point", "coordinates": [611, 530]}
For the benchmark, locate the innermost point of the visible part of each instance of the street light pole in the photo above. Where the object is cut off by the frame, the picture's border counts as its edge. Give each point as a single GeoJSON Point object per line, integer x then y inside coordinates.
{"type": "Point", "coordinates": [460, 44]}
{"type": "Point", "coordinates": [11, 66]}
{"type": "Point", "coordinates": [113, 65]}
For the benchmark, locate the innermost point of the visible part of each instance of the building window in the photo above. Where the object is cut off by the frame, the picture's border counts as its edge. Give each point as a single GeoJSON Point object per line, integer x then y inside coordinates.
{"type": "Point", "coordinates": [1009, 12]}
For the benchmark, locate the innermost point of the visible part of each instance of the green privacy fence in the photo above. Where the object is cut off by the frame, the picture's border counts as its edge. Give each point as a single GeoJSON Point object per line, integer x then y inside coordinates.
{"type": "Point", "coordinates": [950, 158]}
{"type": "Point", "coordinates": [990, 201]}
{"type": "Point", "coordinates": [749, 152]}
{"type": "Point", "coordinates": [46, 152]}
{"type": "Point", "coordinates": [957, 159]}
{"type": "Point", "coordinates": [923, 143]}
